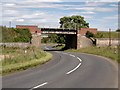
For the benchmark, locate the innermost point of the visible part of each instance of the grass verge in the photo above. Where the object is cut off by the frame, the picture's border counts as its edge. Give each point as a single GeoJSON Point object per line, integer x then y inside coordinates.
{"type": "Point", "coordinates": [17, 60]}
{"type": "Point", "coordinates": [109, 52]}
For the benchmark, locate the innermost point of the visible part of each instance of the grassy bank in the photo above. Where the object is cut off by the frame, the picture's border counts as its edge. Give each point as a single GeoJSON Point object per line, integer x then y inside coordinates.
{"type": "Point", "coordinates": [108, 52]}
{"type": "Point", "coordinates": [16, 59]}
{"type": "Point", "coordinates": [105, 34]}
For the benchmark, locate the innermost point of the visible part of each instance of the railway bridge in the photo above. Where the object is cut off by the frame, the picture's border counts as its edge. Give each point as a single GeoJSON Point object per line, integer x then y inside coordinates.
{"type": "Point", "coordinates": [74, 38]}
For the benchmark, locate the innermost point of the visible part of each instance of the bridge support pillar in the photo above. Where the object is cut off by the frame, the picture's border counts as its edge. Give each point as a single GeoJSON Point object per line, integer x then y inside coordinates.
{"type": "Point", "coordinates": [78, 41]}
{"type": "Point", "coordinates": [83, 41]}
{"type": "Point", "coordinates": [36, 39]}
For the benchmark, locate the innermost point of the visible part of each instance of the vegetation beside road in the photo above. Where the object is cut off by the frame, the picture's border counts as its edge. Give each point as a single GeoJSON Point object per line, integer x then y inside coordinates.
{"type": "Point", "coordinates": [15, 35]}
{"type": "Point", "coordinates": [109, 52]}
{"type": "Point", "coordinates": [105, 34]}
{"type": "Point", "coordinates": [16, 59]}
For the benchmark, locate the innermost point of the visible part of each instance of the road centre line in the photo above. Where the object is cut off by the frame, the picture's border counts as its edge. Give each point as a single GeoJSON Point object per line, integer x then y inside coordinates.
{"type": "Point", "coordinates": [72, 55]}
{"type": "Point", "coordinates": [79, 59]}
{"type": "Point", "coordinates": [76, 66]}
{"type": "Point", "coordinates": [74, 69]}
{"type": "Point", "coordinates": [39, 85]}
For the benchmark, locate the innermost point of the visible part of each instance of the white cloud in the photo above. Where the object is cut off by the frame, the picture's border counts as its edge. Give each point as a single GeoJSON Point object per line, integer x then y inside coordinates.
{"type": "Point", "coordinates": [33, 15]}
{"type": "Point", "coordinates": [10, 12]}
{"type": "Point", "coordinates": [102, 0]}
{"type": "Point", "coordinates": [43, 0]}
{"type": "Point", "coordinates": [100, 9]}
{"type": "Point", "coordinates": [95, 4]}
{"type": "Point", "coordinates": [20, 20]}
{"type": "Point", "coordinates": [9, 4]}
{"type": "Point", "coordinates": [81, 8]}
{"type": "Point", "coordinates": [89, 12]}
{"type": "Point", "coordinates": [115, 17]}
{"type": "Point", "coordinates": [94, 9]}
{"type": "Point", "coordinates": [114, 5]}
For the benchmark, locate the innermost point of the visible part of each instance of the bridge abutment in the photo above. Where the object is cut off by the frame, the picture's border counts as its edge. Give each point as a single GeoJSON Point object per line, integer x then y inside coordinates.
{"type": "Point", "coordinates": [36, 39]}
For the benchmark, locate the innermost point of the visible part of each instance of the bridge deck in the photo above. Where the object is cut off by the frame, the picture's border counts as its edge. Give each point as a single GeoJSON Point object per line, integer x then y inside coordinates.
{"type": "Point", "coordinates": [58, 31]}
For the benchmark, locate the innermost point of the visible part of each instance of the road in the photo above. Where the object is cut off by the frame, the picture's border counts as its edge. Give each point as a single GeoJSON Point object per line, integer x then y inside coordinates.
{"type": "Point", "coordinates": [67, 70]}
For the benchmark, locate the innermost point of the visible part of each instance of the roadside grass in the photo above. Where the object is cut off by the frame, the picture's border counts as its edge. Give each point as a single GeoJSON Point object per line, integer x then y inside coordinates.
{"type": "Point", "coordinates": [109, 52]}
{"type": "Point", "coordinates": [16, 59]}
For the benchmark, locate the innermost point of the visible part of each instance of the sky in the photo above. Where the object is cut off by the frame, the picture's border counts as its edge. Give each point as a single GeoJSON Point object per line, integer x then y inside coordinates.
{"type": "Point", "coordinates": [100, 14]}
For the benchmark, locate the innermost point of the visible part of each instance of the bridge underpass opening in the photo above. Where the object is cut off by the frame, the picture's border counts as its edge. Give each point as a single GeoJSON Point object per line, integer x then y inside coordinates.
{"type": "Point", "coordinates": [70, 40]}
{"type": "Point", "coordinates": [70, 36]}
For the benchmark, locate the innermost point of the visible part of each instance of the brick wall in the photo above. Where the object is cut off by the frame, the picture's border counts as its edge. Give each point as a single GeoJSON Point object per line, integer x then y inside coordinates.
{"type": "Point", "coordinates": [84, 30]}
{"type": "Point", "coordinates": [32, 28]}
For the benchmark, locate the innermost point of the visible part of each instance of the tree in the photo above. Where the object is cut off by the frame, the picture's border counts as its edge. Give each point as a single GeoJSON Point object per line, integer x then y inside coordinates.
{"type": "Point", "coordinates": [89, 34]}
{"type": "Point", "coordinates": [118, 30]}
{"type": "Point", "coordinates": [54, 38]}
{"type": "Point", "coordinates": [73, 22]}
{"type": "Point", "coordinates": [15, 35]}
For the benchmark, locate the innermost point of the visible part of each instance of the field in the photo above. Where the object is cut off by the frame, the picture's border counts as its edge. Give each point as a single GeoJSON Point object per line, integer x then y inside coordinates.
{"type": "Point", "coordinates": [103, 34]}
{"type": "Point", "coordinates": [16, 59]}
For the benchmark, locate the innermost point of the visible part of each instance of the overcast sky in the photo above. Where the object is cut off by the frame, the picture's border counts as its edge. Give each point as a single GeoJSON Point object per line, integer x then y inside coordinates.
{"type": "Point", "coordinates": [101, 14]}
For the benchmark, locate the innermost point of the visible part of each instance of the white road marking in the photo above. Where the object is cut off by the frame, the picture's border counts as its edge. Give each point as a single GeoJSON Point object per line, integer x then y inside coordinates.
{"type": "Point", "coordinates": [79, 59]}
{"type": "Point", "coordinates": [72, 55]}
{"type": "Point", "coordinates": [75, 67]}
{"type": "Point", "coordinates": [39, 85]}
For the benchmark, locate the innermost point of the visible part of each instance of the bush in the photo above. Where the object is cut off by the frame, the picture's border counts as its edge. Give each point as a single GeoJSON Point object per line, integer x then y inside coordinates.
{"type": "Point", "coordinates": [105, 34]}
{"type": "Point", "coordinates": [15, 35]}
{"type": "Point", "coordinates": [89, 34]}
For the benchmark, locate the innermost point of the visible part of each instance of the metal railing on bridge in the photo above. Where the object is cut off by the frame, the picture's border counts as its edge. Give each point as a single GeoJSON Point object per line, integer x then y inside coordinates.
{"type": "Point", "coordinates": [58, 31]}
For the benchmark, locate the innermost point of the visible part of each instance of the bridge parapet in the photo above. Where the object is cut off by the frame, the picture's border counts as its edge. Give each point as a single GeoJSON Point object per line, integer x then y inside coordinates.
{"type": "Point", "coordinates": [57, 31]}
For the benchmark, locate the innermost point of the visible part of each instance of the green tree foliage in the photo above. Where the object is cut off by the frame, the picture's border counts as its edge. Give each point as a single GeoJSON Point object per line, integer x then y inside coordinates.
{"type": "Point", "coordinates": [89, 34]}
{"type": "Point", "coordinates": [73, 22]}
{"type": "Point", "coordinates": [61, 38]}
{"type": "Point", "coordinates": [54, 38]}
{"type": "Point", "coordinates": [118, 30]}
{"type": "Point", "coordinates": [15, 35]}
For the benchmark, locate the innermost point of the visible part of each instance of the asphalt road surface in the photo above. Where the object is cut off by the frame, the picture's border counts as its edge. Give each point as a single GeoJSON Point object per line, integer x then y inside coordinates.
{"type": "Point", "coordinates": [67, 70]}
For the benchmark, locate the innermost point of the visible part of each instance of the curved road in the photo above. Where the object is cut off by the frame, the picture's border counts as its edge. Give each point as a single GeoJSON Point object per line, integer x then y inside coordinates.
{"type": "Point", "coordinates": [67, 70]}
